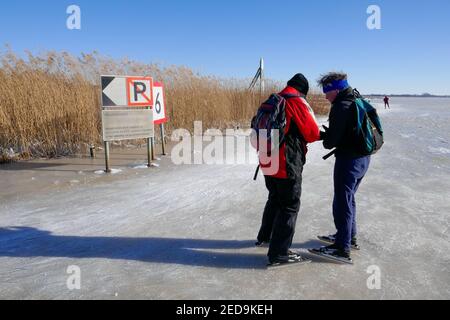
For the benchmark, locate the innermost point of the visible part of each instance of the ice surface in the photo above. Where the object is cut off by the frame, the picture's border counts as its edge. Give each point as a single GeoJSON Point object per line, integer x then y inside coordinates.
{"type": "Point", "coordinates": [187, 232]}
{"type": "Point", "coordinates": [440, 150]}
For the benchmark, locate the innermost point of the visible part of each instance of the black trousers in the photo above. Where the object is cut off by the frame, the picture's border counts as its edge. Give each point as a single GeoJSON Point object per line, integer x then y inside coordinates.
{"type": "Point", "coordinates": [280, 215]}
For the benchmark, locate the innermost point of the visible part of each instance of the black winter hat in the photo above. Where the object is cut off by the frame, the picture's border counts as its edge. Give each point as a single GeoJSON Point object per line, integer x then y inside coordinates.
{"type": "Point", "coordinates": [300, 83]}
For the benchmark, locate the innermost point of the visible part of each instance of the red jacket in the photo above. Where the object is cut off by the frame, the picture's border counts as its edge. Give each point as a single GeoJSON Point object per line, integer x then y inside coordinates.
{"type": "Point", "coordinates": [299, 113]}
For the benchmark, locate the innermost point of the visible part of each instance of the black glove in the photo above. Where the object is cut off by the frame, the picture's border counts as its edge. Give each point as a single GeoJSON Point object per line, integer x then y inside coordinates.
{"type": "Point", "coordinates": [323, 134]}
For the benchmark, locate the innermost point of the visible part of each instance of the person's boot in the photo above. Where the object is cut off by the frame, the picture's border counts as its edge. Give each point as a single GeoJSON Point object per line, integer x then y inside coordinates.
{"type": "Point", "coordinates": [333, 252]}
{"type": "Point", "coordinates": [354, 244]}
{"type": "Point", "coordinates": [331, 239]}
{"type": "Point", "coordinates": [292, 258]}
{"type": "Point", "coordinates": [262, 244]}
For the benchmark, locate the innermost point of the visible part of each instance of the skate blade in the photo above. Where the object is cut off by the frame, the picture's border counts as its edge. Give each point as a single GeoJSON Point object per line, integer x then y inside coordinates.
{"type": "Point", "coordinates": [332, 242]}
{"type": "Point", "coordinates": [289, 264]}
{"type": "Point", "coordinates": [328, 257]}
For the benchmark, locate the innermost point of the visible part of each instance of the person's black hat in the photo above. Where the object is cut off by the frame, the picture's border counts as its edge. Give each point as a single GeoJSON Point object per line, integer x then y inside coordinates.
{"type": "Point", "coordinates": [300, 83]}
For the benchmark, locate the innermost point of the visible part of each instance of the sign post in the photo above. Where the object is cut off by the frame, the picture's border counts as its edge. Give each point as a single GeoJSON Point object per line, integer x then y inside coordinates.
{"type": "Point", "coordinates": [159, 111]}
{"type": "Point", "coordinates": [127, 112]}
{"type": "Point", "coordinates": [259, 75]}
{"type": "Point", "coordinates": [108, 168]}
{"type": "Point", "coordinates": [163, 140]}
{"type": "Point", "coordinates": [261, 79]}
{"type": "Point", "coordinates": [150, 145]}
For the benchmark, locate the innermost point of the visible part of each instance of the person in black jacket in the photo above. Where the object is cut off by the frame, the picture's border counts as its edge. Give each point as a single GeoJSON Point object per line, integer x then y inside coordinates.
{"type": "Point", "coordinates": [350, 167]}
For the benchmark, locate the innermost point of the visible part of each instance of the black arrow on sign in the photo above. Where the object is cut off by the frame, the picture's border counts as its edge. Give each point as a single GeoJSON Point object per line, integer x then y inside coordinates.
{"type": "Point", "coordinates": [105, 99]}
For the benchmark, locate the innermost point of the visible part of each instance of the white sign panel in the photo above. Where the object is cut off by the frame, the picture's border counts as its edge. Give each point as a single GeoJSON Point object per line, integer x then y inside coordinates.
{"type": "Point", "coordinates": [121, 91]}
{"type": "Point", "coordinates": [159, 105]}
{"type": "Point", "coordinates": [127, 124]}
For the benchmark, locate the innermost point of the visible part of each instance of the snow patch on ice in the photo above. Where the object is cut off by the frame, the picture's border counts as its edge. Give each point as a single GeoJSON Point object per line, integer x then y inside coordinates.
{"type": "Point", "coordinates": [113, 171]}
{"type": "Point", "coordinates": [145, 166]}
{"type": "Point", "coordinates": [141, 166]}
{"type": "Point", "coordinates": [440, 150]}
{"type": "Point", "coordinates": [407, 136]}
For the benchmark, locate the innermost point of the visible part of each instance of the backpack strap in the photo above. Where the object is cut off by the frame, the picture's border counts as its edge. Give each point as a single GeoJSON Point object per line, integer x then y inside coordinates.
{"type": "Point", "coordinates": [289, 96]}
{"type": "Point", "coordinates": [302, 140]}
{"type": "Point", "coordinates": [357, 94]}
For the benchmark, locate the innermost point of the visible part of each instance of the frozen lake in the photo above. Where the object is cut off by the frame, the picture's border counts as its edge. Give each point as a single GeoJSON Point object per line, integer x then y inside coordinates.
{"type": "Point", "coordinates": [187, 232]}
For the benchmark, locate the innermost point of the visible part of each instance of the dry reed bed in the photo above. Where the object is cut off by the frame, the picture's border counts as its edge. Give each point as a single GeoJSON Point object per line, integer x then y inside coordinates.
{"type": "Point", "coordinates": [50, 104]}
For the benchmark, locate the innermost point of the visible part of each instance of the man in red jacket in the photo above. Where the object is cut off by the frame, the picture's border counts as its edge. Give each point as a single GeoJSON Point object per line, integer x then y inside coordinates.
{"type": "Point", "coordinates": [285, 185]}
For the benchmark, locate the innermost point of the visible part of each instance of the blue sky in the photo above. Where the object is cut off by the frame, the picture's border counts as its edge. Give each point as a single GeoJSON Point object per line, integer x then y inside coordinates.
{"type": "Point", "coordinates": [410, 54]}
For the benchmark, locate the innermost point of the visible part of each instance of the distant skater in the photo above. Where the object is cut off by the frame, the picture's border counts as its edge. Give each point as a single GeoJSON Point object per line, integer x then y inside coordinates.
{"type": "Point", "coordinates": [386, 102]}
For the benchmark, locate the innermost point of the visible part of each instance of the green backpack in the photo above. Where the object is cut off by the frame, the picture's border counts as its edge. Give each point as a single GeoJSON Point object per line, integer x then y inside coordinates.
{"type": "Point", "coordinates": [368, 131]}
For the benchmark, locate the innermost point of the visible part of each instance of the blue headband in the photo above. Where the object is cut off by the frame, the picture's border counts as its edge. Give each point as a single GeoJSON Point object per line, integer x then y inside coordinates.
{"type": "Point", "coordinates": [336, 85]}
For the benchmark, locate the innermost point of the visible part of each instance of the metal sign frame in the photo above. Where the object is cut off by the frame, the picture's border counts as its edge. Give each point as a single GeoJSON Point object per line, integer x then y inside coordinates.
{"type": "Point", "coordinates": [129, 106]}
